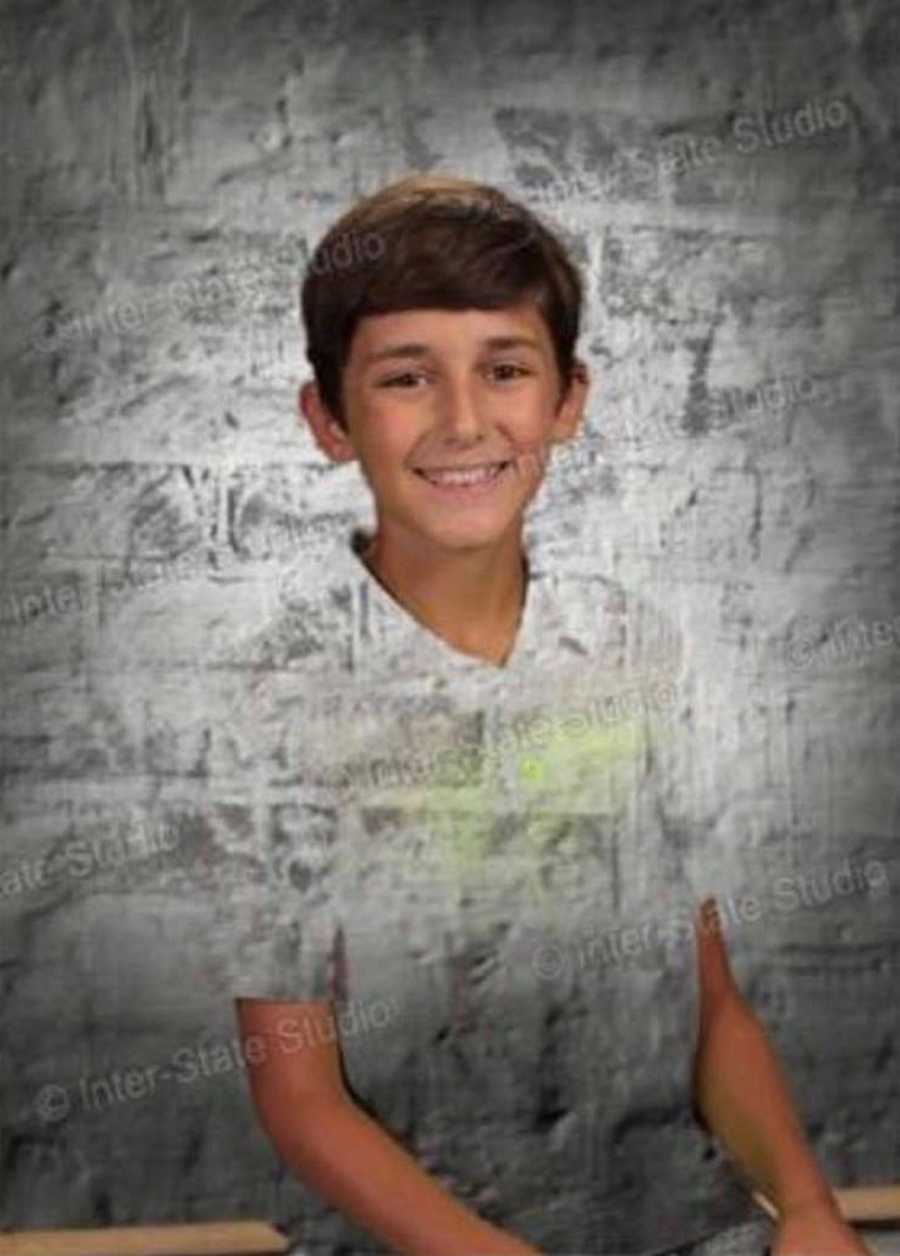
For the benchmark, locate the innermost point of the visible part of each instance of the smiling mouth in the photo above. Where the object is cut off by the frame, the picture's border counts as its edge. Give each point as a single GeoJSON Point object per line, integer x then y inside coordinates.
{"type": "Point", "coordinates": [462, 477]}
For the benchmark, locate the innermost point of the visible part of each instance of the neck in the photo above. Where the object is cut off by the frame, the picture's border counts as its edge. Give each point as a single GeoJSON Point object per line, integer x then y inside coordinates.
{"type": "Point", "coordinates": [472, 599]}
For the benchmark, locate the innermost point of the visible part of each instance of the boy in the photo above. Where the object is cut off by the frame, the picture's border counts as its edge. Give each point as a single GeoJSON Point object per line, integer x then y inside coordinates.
{"type": "Point", "coordinates": [445, 365]}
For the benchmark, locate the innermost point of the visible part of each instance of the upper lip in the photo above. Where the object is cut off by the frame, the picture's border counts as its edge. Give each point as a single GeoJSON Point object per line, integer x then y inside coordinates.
{"type": "Point", "coordinates": [466, 466]}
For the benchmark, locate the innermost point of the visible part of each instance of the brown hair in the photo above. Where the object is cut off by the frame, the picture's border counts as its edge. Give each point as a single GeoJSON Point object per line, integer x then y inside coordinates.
{"type": "Point", "coordinates": [433, 241]}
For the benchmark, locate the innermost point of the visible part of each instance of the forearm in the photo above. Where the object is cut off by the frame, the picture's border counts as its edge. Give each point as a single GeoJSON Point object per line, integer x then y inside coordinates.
{"type": "Point", "coordinates": [743, 1096]}
{"type": "Point", "coordinates": [353, 1163]}
{"type": "Point", "coordinates": [330, 1144]}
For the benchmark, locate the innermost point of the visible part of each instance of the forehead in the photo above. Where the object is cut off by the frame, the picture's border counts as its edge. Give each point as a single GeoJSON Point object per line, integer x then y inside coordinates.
{"type": "Point", "coordinates": [425, 330]}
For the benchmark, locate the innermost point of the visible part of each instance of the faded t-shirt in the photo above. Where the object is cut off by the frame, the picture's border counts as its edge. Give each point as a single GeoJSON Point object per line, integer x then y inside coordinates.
{"type": "Point", "coordinates": [482, 877]}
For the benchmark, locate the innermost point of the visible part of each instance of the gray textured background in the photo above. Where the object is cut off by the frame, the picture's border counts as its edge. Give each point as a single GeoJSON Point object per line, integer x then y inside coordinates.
{"type": "Point", "coordinates": [166, 170]}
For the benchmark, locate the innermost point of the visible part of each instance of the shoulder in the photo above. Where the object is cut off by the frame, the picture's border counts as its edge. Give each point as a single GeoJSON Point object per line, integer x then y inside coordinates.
{"type": "Point", "coordinates": [305, 622]}
{"type": "Point", "coordinates": [632, 625]}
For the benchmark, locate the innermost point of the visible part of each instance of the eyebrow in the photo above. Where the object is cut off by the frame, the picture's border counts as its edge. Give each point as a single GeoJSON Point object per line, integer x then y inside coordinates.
{"type": "Point", "coordinates": [415, 349]}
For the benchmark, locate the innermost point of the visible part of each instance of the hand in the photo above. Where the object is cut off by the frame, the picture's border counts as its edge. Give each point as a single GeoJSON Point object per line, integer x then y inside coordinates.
{"type": "Point", "coordinates": [816, 1228]}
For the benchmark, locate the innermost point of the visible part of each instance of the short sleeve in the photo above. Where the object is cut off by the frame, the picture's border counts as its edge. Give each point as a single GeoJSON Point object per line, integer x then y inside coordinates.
{"type": "Point", "coordinates": [271, 945]}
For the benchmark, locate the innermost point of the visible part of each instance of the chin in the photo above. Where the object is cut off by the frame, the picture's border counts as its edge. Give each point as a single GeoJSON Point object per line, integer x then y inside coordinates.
{"type": "Point", "coordinates": [482, 539]}
{"type": "Point", "coordinates": [463, 537]}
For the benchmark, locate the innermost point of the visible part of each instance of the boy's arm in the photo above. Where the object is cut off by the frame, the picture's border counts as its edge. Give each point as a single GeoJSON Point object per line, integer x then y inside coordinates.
{"type": "Point", "coordinates": [741, 1093]}
{"type": "Point", "coordinates": [331, 1145]}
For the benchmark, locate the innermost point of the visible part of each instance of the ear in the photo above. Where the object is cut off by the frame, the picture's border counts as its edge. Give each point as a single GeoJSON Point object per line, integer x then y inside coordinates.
{"type": "Point", "coordinates": [327, 432]}
{"type": "Point", "coordinates": [570, 410]}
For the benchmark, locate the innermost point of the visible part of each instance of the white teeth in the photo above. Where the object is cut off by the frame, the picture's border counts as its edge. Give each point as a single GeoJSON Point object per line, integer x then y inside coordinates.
{"type": "Point", "coordinates": [472, 475]}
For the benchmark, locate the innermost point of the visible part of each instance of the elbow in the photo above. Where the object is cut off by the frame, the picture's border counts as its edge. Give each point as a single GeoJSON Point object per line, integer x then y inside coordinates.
{"type": "Point", "coordinates": [302, 1134]}
{"type": "Point", "coordinates": [292, 1050]}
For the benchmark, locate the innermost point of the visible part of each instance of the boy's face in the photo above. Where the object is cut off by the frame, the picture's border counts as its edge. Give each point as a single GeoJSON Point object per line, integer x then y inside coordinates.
{"type": "Point", "coordinates": [429, 389]}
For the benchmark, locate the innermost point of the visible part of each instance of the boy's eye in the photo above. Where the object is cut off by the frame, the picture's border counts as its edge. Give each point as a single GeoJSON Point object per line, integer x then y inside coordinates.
{"type": "Point", "coordinates": [395, 379]}
{"type": "Point", "coordinates": [510, 366]}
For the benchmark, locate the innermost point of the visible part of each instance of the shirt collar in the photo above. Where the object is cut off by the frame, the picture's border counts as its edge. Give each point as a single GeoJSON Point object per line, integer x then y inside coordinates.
{"type": "Point", "coordinates": [389, 639]}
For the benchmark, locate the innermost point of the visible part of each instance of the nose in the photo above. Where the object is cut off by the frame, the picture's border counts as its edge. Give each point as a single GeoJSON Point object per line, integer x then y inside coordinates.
{"type": "Point", "coordinates": [460, 412]}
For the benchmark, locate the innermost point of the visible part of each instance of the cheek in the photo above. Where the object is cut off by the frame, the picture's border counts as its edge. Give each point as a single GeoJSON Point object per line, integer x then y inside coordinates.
{"type": "Point", "coordinates": [390, 433]}
{"type": "Point", "coordinates": [533, 450]}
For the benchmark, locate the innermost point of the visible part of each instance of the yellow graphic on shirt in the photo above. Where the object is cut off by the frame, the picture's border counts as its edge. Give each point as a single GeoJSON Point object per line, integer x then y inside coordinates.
{"type": "Point", "coordinates": [591, 771]}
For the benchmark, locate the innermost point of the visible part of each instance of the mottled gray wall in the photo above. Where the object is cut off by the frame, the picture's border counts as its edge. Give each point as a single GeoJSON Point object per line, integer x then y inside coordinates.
{"type": "Point", "coordinates": [166, 170]}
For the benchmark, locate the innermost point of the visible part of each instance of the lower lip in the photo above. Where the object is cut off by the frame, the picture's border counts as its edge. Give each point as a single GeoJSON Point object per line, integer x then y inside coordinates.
{"type": "Point", "coordinates": [468, 492]}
